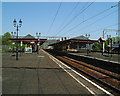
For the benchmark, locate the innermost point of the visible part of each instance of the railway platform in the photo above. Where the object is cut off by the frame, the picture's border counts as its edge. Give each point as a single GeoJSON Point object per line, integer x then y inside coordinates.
{"type": "Point", "coordinates": [115, 58]}
{"type": "Point", "coordinates": [43, 74]}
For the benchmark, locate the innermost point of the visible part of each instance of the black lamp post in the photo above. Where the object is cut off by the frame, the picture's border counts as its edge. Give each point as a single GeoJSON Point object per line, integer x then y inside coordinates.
{"type": "Point", "coordinates": [17, 26]}
{"type": "Point", "coordinates": [87, 36]}
{"type": "Point", "coordinates": [38, 35]}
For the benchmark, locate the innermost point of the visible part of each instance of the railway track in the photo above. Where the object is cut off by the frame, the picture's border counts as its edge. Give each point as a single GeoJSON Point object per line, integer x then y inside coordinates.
{"type": "Point", "coordinates": [110, 79]}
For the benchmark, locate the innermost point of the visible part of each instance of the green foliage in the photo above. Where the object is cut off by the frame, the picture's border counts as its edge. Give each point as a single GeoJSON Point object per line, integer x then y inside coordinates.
{"type": "Point", "coordinates": [106, 45]}
{"type": "Point", "coordinates": [5, 39]}
{"type": "Point", "coordinates": [97, 46]}
{"type": "Point", "coordinates": [115, 39]}
{"type": "Point", "coordinates": [8, 44]}
{"type": "Point", "coordinates": [23, 46]}
{"type": "Point", "coordinates": [0, 40]}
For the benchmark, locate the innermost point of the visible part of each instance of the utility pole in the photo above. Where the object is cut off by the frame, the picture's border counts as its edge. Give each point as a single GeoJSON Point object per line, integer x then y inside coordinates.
{"type": "Point", "coordinates": [104, 32]}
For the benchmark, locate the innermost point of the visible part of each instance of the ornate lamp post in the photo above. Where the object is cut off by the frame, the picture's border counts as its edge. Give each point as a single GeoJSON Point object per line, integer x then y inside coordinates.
{"type": "Point", "coordinates": [38, 35]}
{"type": "Point", "coordinates": [87, 36]}
{"type": "Point", "coordinates": [17, 26]}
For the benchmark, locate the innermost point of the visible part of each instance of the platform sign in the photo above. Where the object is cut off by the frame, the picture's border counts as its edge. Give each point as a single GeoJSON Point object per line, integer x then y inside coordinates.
{"type": "Point", "coordinates": [21, 43]}
{"type": "Point", "coordinates": [28, 50]}
{"type": "Point", "coordinates": [116, 45]}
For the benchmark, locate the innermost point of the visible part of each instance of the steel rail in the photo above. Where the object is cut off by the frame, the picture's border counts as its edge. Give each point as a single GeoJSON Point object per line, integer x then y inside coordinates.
{"type": "Point", "coordinates": [101, 80]}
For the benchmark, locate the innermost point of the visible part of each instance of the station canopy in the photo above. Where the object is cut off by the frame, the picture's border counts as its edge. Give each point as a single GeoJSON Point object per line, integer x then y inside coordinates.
{"type": "Point", "coordinates": [28, 39]}
{"type": "Point", "coordinates": [79, 39]}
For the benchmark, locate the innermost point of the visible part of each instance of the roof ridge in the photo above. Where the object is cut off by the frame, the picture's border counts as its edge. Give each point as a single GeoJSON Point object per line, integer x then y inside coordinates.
{"type": "Point", "coordinates": [29, 36]}
{"type": "Point", "coordinates": [80, 37]}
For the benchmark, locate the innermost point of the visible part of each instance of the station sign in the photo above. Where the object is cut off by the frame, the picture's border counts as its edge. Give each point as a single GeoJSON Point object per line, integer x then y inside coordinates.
{"type": "Point", "coordinates": [21, 43]}
{"type": "Point", "coordinates": [32, 42]}
{"type": "Point", "coordinates": [116, 45]}
{"type": "Point", "coordinates": [108, 45]}
{"type": "Point", "coordinates": [28, 50]}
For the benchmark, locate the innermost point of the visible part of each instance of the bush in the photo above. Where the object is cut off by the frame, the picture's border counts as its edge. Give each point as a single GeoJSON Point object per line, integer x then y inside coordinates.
{"type": "Point", "coordinates": [97, 46]}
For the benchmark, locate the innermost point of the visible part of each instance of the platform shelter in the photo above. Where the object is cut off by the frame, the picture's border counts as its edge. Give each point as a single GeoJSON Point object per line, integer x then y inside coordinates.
{"type": "Point", "coordinates": [80, 42]}
{"type": "Point", "coordinates": [29, 41]}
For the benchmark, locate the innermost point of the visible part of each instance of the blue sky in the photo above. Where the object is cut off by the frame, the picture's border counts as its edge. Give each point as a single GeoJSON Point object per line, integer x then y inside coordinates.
{"type": "Point", "coordinates": [38, 16]}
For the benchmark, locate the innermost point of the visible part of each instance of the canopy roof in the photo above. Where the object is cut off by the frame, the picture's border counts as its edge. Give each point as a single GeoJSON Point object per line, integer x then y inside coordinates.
{"type": "Point", "coordinates": [79, 39]}
{"type": "Point", "coordinates": [28, 38]}
{"type": "Point", "coordinates": [101, 39]}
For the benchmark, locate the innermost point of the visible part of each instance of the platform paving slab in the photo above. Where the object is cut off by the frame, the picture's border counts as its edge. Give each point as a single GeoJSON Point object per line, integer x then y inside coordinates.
{"type": "Point", "coordinates": [38, 74]}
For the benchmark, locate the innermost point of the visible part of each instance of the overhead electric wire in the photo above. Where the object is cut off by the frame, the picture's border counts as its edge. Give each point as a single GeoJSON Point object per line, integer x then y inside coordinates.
{"type": "Point", "coordinates": [103, 28]}
{"type": "Point", "coordinates": [69, 15]}
{"type": "Point", "coordinates": [89, 18]}
{"type": "Point", "coordinates": [98, 20]}
{"type": "Point", "coordinates": [54, 18]}
{"type": "Point", "coordinates": [75, 17]}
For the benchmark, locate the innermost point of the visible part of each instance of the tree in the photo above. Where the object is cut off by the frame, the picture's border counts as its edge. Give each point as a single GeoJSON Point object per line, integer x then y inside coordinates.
{"type": "Point", "coordinates": [0, 40]}
{"type": "Point", "coordinates": [5, 39]}
{"type": "Point", "coordinates": [97, 46]}
{"type": "Point", "coordinates": [115, 39]}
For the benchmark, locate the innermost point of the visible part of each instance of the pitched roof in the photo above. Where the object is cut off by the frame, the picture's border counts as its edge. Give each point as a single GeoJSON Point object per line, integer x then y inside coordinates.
{"type": "Point", "coordinates": [29, 37]}
{"type": "Point", "coordinates": [80, 38]}
{"type": "Point", "coordinates": [102, 39]}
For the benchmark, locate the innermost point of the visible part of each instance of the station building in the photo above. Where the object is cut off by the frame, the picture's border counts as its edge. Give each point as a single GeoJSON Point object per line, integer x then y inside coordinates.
{"type": "Point", "coordinates": [74, 44]}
